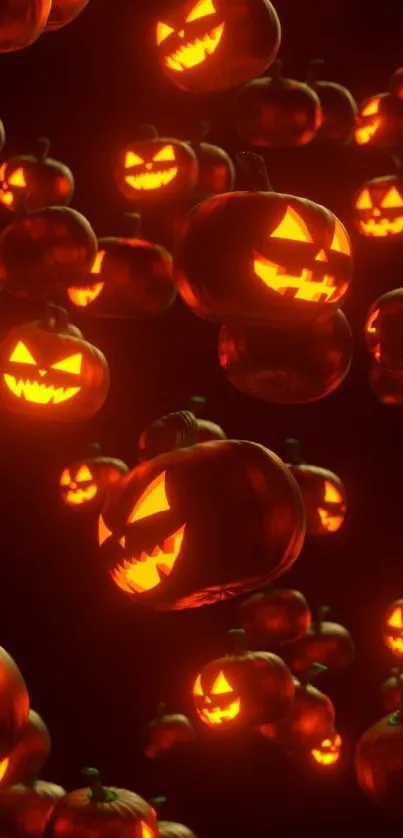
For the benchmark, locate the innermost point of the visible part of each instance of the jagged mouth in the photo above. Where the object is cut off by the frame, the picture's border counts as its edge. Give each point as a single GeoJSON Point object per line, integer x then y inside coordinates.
{"type": "Point", "coordinates": [330, 521]}
{"type": "Point", "coordinates": [195, 52]}
{"type": "Point", "coordinates": [75, 497]}
{"type": "Point", "coordinates": [301, 286]}
{"type": "Point", "coordinates": [152, 180]}
{"type": "Point", "coordinates": [218, 715]}
{"type": "Point", "coordinates": [37, 393]}
{"type": "Point", "coordinates": [365, 133]}
{"type": "Point", "coordinates": [84, 296]}
{"type": "Point", "coordinates": [138, 574]}
{"type": "Point", "coordinates": [395, 644]}
{"type": "Point", "coordinates": [6, 198]}
{"type": "Point", "coordinates": [382, 228]}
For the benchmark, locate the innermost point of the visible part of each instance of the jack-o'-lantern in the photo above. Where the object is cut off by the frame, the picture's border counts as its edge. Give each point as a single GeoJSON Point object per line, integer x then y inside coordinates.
{"type": "Point", "coordinates": [308, 720]}
{"type": "Point", "coordinates": [64, 12]}
{"type": "Point", "coordinates": [242, 689]}
{"type": "Point", "coordinates": [275, 617]}
{"type": "Point", "coordinates": [169, 545]}
{"type": "Point", "coordinates": [386, 384]}
{"type": "Point", "coordinates": [170, 829]}
{"type": "Point", "coordinates": [26, 760]}
{"type": "Point", "coordinates": [378, 208]}
{"type": "Point", "coordinates": [206, 45]}
{"type": "Point", "coordinates": [102, 812]}
{"type": "Point", "coordinates": [384, 329]}
{"type": "Point", "coordinates": [339, 108]}
{"type": "Point", "coordinates": [88, 481]}
{"type": "Point", "coordinates": [293, 365]}
{"type": "Point", "coordinates": [156, 169]}
{"type": "Point", "coordinates": [87, 294]}
{"type": "Point", "coordinates": [281, 259]}
{"type": "Point", "coordinates": [393, 628]}
{"type": "Point", "coordinates": [49, 370]}
{"type": "Point", "coordinates": [328, 752]}
{"type": "Point", "coordinates": [392, 692]}
{"type": "Point", "coordinates": [277, 112]}
{"type": "Point", "coordinates": [329, 644]}
{"type": "Point", "coordinates": [323, 493]}
{"type": "Point", "coordinates": [26, 810]}
{"type": "Point", "coordinates": [32, 183]}
{"type": "Point", "coordinates": [379, 763]}
{"type": "Point", "coordinates": [46, 251]}
{"type": "Point", "coordinates": [22, 23]}
{"type": "Point", "coordinates": [14, 704]}
{"type": "Point", "coordinates": [167, 731]}
{"type": "Point", "coordinates": [216, 169]}
{"type": "Point", "coordinates": [379, 121]}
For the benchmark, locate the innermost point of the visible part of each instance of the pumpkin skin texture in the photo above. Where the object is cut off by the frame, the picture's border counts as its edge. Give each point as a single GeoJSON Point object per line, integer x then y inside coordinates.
{"type": "Point", "coordinates": [275, 617]}
{"type": "Point", "coordinates": [251, 535]}
{"type": "Point", "coordinates": [49, 370]}
{"type": "Point", "coordinates": [380, 121]}
{"type": "Point", "coordinates": [378, 209]}
{"type": "Point", "coordinates": [21, 23]}
{"type": "Point", "coordinates": [308, 721]}
{"type": "Point", "coordinates": [391, 692]}
{"type": "Point", "coordinates": [169, 829]}
{"type": "Point", "coordinates": [379, 763]}
{"type": "Point", "coordinates": [206, 45]}
{"type": "Point", "coordinates": [322, 491]}
{"type": "Point", "coordinates": [46, 251]}
{"type": "Point", "coordinates": [383, 329]}
{"type": "Point", "coordinates": [64, 12]}
{"type": "Point", "coordinates": [156, 170]}
{"type": "Point", "coordinates": [32, 183]}
{"type": "Point", "coordinates": [216, 171]}
{"type": "Point", "coordinates": [87, 482]}
{"type": "Point", "coordinates": [175, 430]}
{"type": "Point", "coordinates": [208, 431]}
{"type": "Point", "coordinates": [167, 731]}
{"type": "Point", "coordinates": [386, 384]}
{"type": "Point", "coordinates": [329, 644]}
{"type": "Point", "coordinates": [26, 810]}
{"type": "Point", "coordinates": [290, 366]}
{"type": "Point", "coordinates": [262, 235]}
{"type": "Point", "coordinates": [14, 704]}
{"type": "Point", "coordinates": [24, 763]}
{"type": "Point", "coordinates": [339, 112]}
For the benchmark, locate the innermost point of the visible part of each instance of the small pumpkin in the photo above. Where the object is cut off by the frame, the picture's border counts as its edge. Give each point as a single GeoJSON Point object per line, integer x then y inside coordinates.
{"type": "Point", "coordinates": [323, 492]}
{"type": "Point", "coordinates": [378, 208]}
{"type": "Point", "coordinates": [216, 169]}
{"type": "Point", "coordinates": [379, 121]}
{"type": "Point", "coordinates": [14, 704]}
{"type": "Point", "coordinates": [26, 760]}
{"type": "Point", "coordinates": [177, 430]}
{"type": "Point", "coordinates": [90, 479]}
{"type": "Point", "coordinates": [338, 106]}
{"type": "Point", "coordinates": [47, 369]}
{"type": "Point", "coordinates": [206, 45]}
{"type": "Point", "coordinates": [170, 545]}
{"type": "Point", "coordinates": [386, 384]}
{"type": "Point", "coordinates": [97, 810]}
{"type": "Point", "coordinates": [167, 731]}
{"type": "Point", "coordinates": [329, 644]}
{"type": "Point", "coordinates": [383, 329]}
{"type": "Point", "coordinates": [46, 251]}
{"type": "Point", "coordinates": [243, 689]}
{"type": "Point", "coordinates": [34, 182]}
{"type": "Point", "coordinates": [393, 628]}
{"type": "Point", "coordinates": [294, 365]}
{"type": "Point", "coordinates": [308, 721]}
{"type": "Point", "coordinates": [64, 12]}
{"type": "Point", "coordinates": [170, 829]}
{"type": "Point", "coordinates": [22, 23]}
{"type": "Point", "coordinates": [275, 616]}
{"type": "Point", "coordinates": [277, 112]}
{"type": "Point", "coordinates": [379, 762]}
{"type": "Point", "coordinates": [328, 752]}
{"type": "Point", "coordinates": [391, 692]}
{"type": "Point", "coordinates": [26, 810]}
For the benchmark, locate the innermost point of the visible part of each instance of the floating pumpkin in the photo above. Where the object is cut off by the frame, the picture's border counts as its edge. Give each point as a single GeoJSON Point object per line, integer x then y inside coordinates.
{"type": "Point", "coordinates": [26, 760]}
{"type": "Point", "coordinates": [328, 752]}
{"type": "Point", "coordinates": [383, 329]}
{"type": "Point", "coordinates": [46, 251]}
{"type": "Point", "coordinates": [88, 481]}
{"type": "Point", "coordinates": [392, 691]}
{"type": "Point", "coordinates": [288, 366]}
{"type": "Point", "coordinates": [277, 112]}
{"type": "Point", "coordinates": [308, 721]}
{"type": "Point", "coordinates": [156, 169]}
{"type": "Point", "coordinates": [206, 45]}
{"type": "Point", "coordinates": [14, 704]}
{"type": "Point", "coordinates": [34, 182]}
{"type": "Point", "coordinates": [167, 731]}
{"type": "Point", "coordinates": [323, 493]}
{"type": "Point", "coordinates": [102, 812]}
{"type": "Point", "coordinates": [26, 810]}
{"type": "Point", "coordinates": [275, 617]}
{"type": "Point", "coordinates": [216, 169]}
{"type": "Point", "coordinates": [49, 370]}
{"type": "Point", "coordinates": [339, 108]}
{"type": "Point", "coordinates": [22, 22]}
{"type": "Point", "coordinates": [379, 121]}
{"type": "Point", "coordinates": [281, 259]}
{"type": "Point", "coordinates": [170, 545]}
{"type": "Point", "coordinates": [379, 763]}
{"type": "Point", "coordinates": [169, 829]}
{"type": "Point", "coordinates": [329, 644]}
{"type": "Point", "coordinates": [64, 12]}
{"type": "Point", "coordinates": [175, 430]}
{"type": "Point", "coordinates": [243, 689]}
{"type": "Point", "coordinates": [378, 208]}
{"type": "Point", "coordinates": [393, 628]}
{"type": "Point", "coordinates": [386, 384]}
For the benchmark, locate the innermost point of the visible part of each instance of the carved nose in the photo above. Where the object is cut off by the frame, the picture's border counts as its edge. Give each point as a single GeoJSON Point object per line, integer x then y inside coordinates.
{"type": "Point", "coordinates": [73, 486]}
{"type": "Point", "coordinates": [42, 372]}
{"type": "Point", "coordinates": [377, 212]}
{"type": "Point", "coordinates": [181, 33]}
{"type": "Point", "coordinates": [149, 166]}
{"type": "Point", "coordinates": [321, 257]}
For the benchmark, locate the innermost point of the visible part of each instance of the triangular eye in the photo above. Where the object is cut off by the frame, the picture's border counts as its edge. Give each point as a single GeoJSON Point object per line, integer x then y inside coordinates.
{"type": "Point", "coordinates": [17, 178]}
{"type": "Point", "coordinates": [364, 200]}
{"type": "Point", "coordinates": [65, 478]}
{"type": "Point", "coordinates": [71, 364]}
{"type": "Point", "coordinates": [83, 474]}
{"type": "Point", "coordinates": [201, 9]}
{"type": "Point", "coordinates": [292, 228]}
{"type": "Point", "coordinates": [153, 500]}
{"type": "Point", "coordinates": [341, 242]}
{"type": "Point", "coordinates": [98, 262]}
{"type": "Point", "coordinates": [163, 32]}
{"type": "Point", "coordinates": [166, 154]}
{"type": "Point", "coordinates": [396, 619]}
{"type": "Point", "coordinates": [221, 685]}
{"type": "Point", "coordinates": [371, 108]}
{"type": "Point", "coordinates": [103, 531]}
{"type": "Point", "coordinates": [392, 199]}
{"type": "Point", "coordinates": [332, 494]}
{"type": "Point", "coordinates": [132, 159]}
{"type": "Point", "coordinates": [197, 688]}
{"type": "Point", "coordinates": [22, 355]}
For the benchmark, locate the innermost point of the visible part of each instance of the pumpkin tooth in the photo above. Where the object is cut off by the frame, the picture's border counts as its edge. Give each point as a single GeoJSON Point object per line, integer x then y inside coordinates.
{"type": "Point", "coordinates": [195, 53]}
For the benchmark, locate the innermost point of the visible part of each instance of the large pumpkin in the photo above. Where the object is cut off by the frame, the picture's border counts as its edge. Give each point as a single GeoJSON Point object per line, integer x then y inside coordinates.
{"type": "Point", "coordinates": [378, 208]}
{"type": "Point", "coordinates": [308, 721]}
{"type": "Point", "coordinates": [380, 121]}
{"type": "Point", "coordinates": [34, 182]}
{"type": "Point", "coordinates": [288, 366]}
{"type": "Point", "coordinates": [339, 108]}
{"type": "Point", "coordinates": [64, 12]}
{"type": "Point", "coordinates": [22, 22]}
{"type": "Point", "coordinates": [323, 493]}
{"type": "Point", "coordinates": [25, 762]}
{"type": "Point", "coordinates": [384, 328]}
{"type": "Point", "coordinates": [206, 45]}
{"type": "Point", "coordinates": [48, 370]}
{"type": "Point", "coordinates": [275, 617]}
{"type": "Point", "coordinates": [202, 524]}
{"type": "Point", "coordinates": [167, 731]}
{"type": "Point", "coordinates": [379, 763]}
{"type": "Point", "coordinates": [327, 643]}
{"type": "Point", "coordinates": [25, 810]}
{"type": "Point", "coordinates": [14, 704]}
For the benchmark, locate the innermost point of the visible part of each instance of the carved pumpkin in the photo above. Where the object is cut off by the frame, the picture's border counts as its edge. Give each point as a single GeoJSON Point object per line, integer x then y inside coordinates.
{"type": "Point", "coordinates": [102, 812]}
{"type": "Point", "coordinates": [64, 12]}
{"type": "Point", "coordinates": [329, 644]}
{"type": "Point", "coordinates": [156, 169]}
{"type": "Point", "coordinates": [378, 208]}
{"type": "Point", "coordinates": [391, 692]}
{"type": "Point", "coordinates": [88, 481]}
{"type": "Point", "coordinates": [308, 721]}
{"type": "Point", "coordinates": [329, 751]}
{"type": "Point", "coordinates": [169, 829]}
{"type": "Point", "coordinates": [26, 760]}
{"type": "Point", "coordinates": [277, 112]}
{"type": "Point", "coordinates": [322, 491]}
{"type": "Point", "coordinates": [26, 810]}
{"type": "Point", "coordinates": [339, 108]}
{"type": "Point", "coordinates": [281, 259]}
{"type": "Point", "coordinates": [242, 689]}
{"type": "Point", "coordinates": [386, 384]}
{"type": "Point", "coordinates": [379, 121]}
{"type": "Point", "coordinates": [167, 731]}
{"type": "Point", "coordinates": [29, 182]}
{"type": "Point", "coordinates": [206, 45]}
{"type": "Point", "coordinates": [49, 370]}
{"type": "Point", "coordinates": [383, 329]}
{"type": "Point", "coordinates": [14, 704]}
{"type": "Point", "coordinates": [216, 169]}
{"type": "Point", "coordinates": [46, 251]}
{"type": "Point", "coordinates": [169, 545]}
{"type": "Point", "coordinates": [275, 617]}
{"type": "Point", "coordinates": [288, 366]}
{"type": "Point", "coordinates": [393, 628]}
{"type": "Point", "coordinates": [379, 763]}
{"type": "Point", "coordinates": [22, 23]}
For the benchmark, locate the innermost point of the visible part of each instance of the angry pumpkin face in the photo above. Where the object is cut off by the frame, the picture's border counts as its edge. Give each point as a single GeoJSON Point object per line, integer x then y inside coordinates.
{"type": "Point", "coordinates": [187, 47]}
{"type": "Point", "coordinates": [156, 170]}
{"type": "Point", "coordinates": [85, 295]}
{"type": "Point", "coordinates": [368, 121]}
{"type": "Point", "coordinates": [218, 705]}
{"type": "Point", "coordinates": [378, 208]}
{"type": "Point", "coordinates": [380, 121]}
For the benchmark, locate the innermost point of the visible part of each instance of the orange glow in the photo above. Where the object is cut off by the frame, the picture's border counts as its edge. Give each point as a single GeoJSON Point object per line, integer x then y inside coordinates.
{"type": "Point", "coordinates": [364, 200]}
{"type": "Point", "coordinates": [381, 227]}
{"type": "Point", "coordinates": [82, 297]}
{"type": "Point", "coordinates": [132, 159]}
{"type": "Point", "coordinates": [153, 500]}
{"type": "Point", "coordinates": [83, 474]}
{"type": "Point", "coordinates": [329, 751]}
{"type": "Point", "coordinates": [197, 688]}
{"type": "Point", "coordinates": [221, 685]}
{"type": "Point", "coordinates": [65, 479]}
{"type": "Point", "coordinates": [166, 155]}
{"type": "Point", "coordinates": [392, 199]}
{"type": "Point", "coordinates": [7, 198]}
{"type": "Point", "coordinates": [33, 391]}
{"type": "Point", "coordinates": [292, 227]}
{"type": "Point", "coordinates": [72, 364]}
{"type": "Point", "coordinates": [193, 53]}
{"type": "Point", "coordinates": [163, 32]}
{"type": "Point", "coordinates": [341, 242]}
{"type": "Point", "coordinates": [98, 262]}
{"type": "Point", "coordinates": [4, 768]}
{"type": "Point", "coordinates": [103, 531]}
{"type": "Point", "coordinates": [75, 497]}
{"type": "Point", "coordinates": [201, 9]}
{"type": "Point", "coordinates": [218, 715]}
{"type": "Point", "coordinates": [136, 575]}
{"type": "Point", "coordinates": [22, 355]}
{"type": "Point", "coordinates": [149, 181]}
{"type": "Point", "coordinates": [396, 619]}
{"type": "Point", "coordinates": [332, 493]}
{"type": "Point", "coordinates": [17, 178]}
{"type": "Point", "coordinates": [209, 712]}
{"type": "Point", "coordinates": [305, 287]}
{"type": "Point", "coordinates": [364, 133]}
{"type": "Point", "coordinates": [146, 831]}
{"type": "Point", "coordinates": [370, 326]}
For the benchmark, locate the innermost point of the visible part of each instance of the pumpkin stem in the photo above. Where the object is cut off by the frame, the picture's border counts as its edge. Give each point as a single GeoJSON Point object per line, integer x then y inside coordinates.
{"type": "Point", "coordinates": [312, 673]}
{"type": "Point", "coordinates": [146, 132]}
{"type": "Point", "coordinates": [157, 802]}
{"type": "Point", "coordinates": [55, 318]}
{"type": "Point", "coordinates": [197, 405]}
{"type": "Point", "coordinates": [312, 72]}
{"type": "Point", "coordinates": [397, 161]}
{"type": "Point", "coordinates": [276, 70]}
{"type": "Point", "coordinates": [397, 717]}
{"type": "Point", "coordinates": [292, 449]}
{"type": "Point", "coordinates": [238, 641]}
{"type": "Point", "coordinates": [254, 168]}
{"type": "Point", "coordinates": [136, 218]}
{"type": "Point", "coordinates": [161, 708]}
{"type": "Point", "coordinates": [93, 448]}
{"type": "Point", "coordinates": [43, 148]}
{"type": "Point", "coordinates": [322, 613]}
{"type": "Point", "coordinates": [97, 792]}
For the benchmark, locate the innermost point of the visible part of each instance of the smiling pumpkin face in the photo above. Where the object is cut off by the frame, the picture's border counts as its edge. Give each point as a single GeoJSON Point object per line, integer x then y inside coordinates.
{"type": "Point", "coordinates": [380, 121]}
{"type": "Point", "coordinates": [378, 208]}
{"type": "Point", "coordinates": [329, 751]}
{"type": "Point", "coordinates": [219, 704]}
{"type": "Point", "coordinates": [157, 170]}
{"type": "Point", "coordinates": [90, 480]}
{"type": "Point", "coordinates": [393, 630]}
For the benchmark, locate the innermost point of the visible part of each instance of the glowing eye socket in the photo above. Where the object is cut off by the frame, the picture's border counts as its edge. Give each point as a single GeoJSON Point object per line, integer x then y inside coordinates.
{"type": "Point", "coordinates": [332, 494]}
{"type": "Point", "coordinates": [166, 154]}
{"type": "Point", "coordinates": [65, 478]}
{"type": "Point", "coordinates": [146, 831]}
{"type": "Point", "coordinates": [364, 200]}
{"type": "Point", "coordinates": [392, 199]}
{"type": "Point", "coordinates": [103, 531]}
{"type": "Point", "coordinates": [292, 227]}
{"type": "Point", "coordinates": [83, 474]}
{"type": "Point", "coordinates": [373, 317]}
{"type": "Point", "coordinates": [132, 159]}
{"type": "Point", "coordinates": [17, 178]}
{"type": "Point", "coordinates": [153, 500]}
{"type": "Point", "coordinates": [163, 32]}
{"type": "Point", "coordinates": [22, 355]}
{"type": "Point", "coordinates": [396, 619]}
{"type": "Point", "coordinates": [71, 364]}
{"type": "Point", "coordinates": [201, 9]}
{"type": "Point", "coordinates": [371, 108]}
{"type": "Point", "coordinates": [197, 689]}
{"type": "Point", "coordinates": [221, 685]}
{"type": "Point", "coordinates": [98, 262]}
{"type": "Point", "coordinates": [340, 241]}
{"type": "Point", "coordinates": [3, 767]}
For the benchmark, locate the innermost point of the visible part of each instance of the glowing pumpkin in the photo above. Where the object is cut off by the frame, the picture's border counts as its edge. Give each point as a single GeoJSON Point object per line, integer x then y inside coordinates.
{"type": "Point", "coordinates": [378, 208]}
{"type": "Point", "coordinates": [205, 45]}
{"type": "Point", "coordinates": [339, 108]}
{"type": "Point", "coordinates": [308, 721]}
{"type": "Point", "coordinates": [26, 809]}
{"type": "Point", "coordinates": [379, 121]}
{"type": "Point", "coordinates": [323, 493]}
{"type": "Point", "coordinates": [392, 691]}
{"type": "Point", "coordinates": [34, 182]}
{"type": "Point", "coordinates": [383, 329]}
{"type": "Point", "coordinates": [167, 543]}
{"type": "Point", "coordinates": [88, 481]}
{"type": "Point", "coordinates": [327, 643]}
{"type": "Point", "coordinates": [156, 169]}
{"type": "Point", "coordinates": [386, 384]}
{"type": "Point", "coordinates": [14, 704]}
{"type": "Point", "coordinates": [64, 12]}
{"type": "Point", "coordinates": [170, 829]}
{"type": "Point", "coordinates": [167, 731]}
{"type": "Point", "coordinates": [275, 617]}
{"type": "Point", "coordinates": [24, 763]}
{"type": "Point", "coordinates": [393, 628]}
{"type": "Point", "coordinates": [22, 23]}
{"type": "Point", "coordinates": [379, 763]}
{"type": "Point", "coordinates": [328, 752]}
{"type": "Point", "coordinates": [47, 369]}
